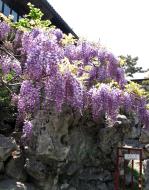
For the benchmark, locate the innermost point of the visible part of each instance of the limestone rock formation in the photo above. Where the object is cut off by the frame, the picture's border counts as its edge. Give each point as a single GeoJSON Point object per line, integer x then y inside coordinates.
{"type": "Point", "coordinates": [15, 169]}
{"type": "Point", "coordinates": [68, 152]}
{"type": "Point", "coordinates": [7, 146]}
{"type": "Point", "coordinates": [74, 153]}
{"type": "Point", "coordinates": [10, 184]}
{"type": "Point", "coordinates": [146, 174]}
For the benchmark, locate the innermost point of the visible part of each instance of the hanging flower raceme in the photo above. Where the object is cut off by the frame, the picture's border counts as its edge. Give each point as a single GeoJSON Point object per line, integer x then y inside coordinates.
{"type": "Point", "coordinates": [83, 50]}
{"type": "Point", "coordinates": [4, 30]}
{"type": "Point", "coordinates": [63, 89]}
{"type": "Point", "coordinates": [146, 119]}
{"type": "Point", "coordinates": [5, 63]}
{"type": "Point", "coordinates": [9, 64]}
{"type": "Point", "coordinates": [54, 90]}
{"type": "Point", "coordinates": [114, 103]}
{"type": "Point", "coordinates": [29, 98]}
{"type": "Point", "coordinates": [127, 101]}
{"type": "Point", "coordinates": [72, 52]}
{"type": "Point", "coordinates": [140, 107]}
{"type": "Point", "coordinates": [27, 132]}
{"type": "Point", "coordinates": [88, 52]}
{"type": "Point", "coordinates": [58, 34]}
{"type": "Point", "coordinates": [105, 69]}
{"type": "Point", "coordinates": [105, 101]}
{"type": "Point", "coordinates": [42, 54]}
{"type": "Point", "coordinates": [27, 129]}
{"type": "Point", "coordinates": [73, 91]}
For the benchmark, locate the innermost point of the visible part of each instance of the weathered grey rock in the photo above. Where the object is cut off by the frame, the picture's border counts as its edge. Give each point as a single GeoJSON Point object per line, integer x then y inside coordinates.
{"type": "Point", "coordinates": [1, 167]}
{"type": "Point", "coordinates": [10, 184]}
{"type": "Point", "coordinates": [36, 169]}
{"type": "Point", "coordinates": [92, 174]}
{"type": "Point", "coordinates": [132, 142]}
{"type": "Point", "coordinates": [146, 173]}
{"type": "Point", "coordinates": [64, 186]}
{"type": "Point", "coordinates": [7, 146]}
{"type": "Point", "coordinates": [81, 145]}
{"type": "Point", "coordinates": [49, 185]}
{"type": "Point", "coordinates": [72, 188]}
{"type": "Point", "coordinates": [144, 138]}
{"type": "Point", "coordinates": [15, 169]}
{"type": "Point", "coordinates": [147, 147]}
{"type": "Point", "coordinates": [135, 132]}
{"type": "Point", "coordinates": [110, 185]}
{"type": "Point", "coordinates": [113, 136]}
{"type": "Point", "coordinates": [146, 187]}
{"type": "Point", "coordinates": [7, 119]}
{"type": "Point", "coordinates": [103, 186]}
{"type": "Point", "coordinates": [50, 131]}
{"type": "Point", "coordinates": [146, 151]}
{"type": "Point", "coordinates": [122, 118]}
{"type": "Point", "coordinates": [5, 128]}
{"type": "Point", "coordinates": [107, 141]}
{"type": "Point", "coordinates": [124, 124]}
{"type": "Point", "coordinates": [70, 153]}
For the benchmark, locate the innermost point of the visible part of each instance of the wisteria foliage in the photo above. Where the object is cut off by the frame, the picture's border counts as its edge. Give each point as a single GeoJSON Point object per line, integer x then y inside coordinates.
{"type": "Point", "coordinates": [55, 71]}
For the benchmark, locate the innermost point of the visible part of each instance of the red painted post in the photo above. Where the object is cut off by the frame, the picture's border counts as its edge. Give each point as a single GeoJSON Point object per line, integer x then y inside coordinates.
{"type": "Point", "coordinates": [121, 154]}
{"type": "Point", "coordinates": [140, 176]}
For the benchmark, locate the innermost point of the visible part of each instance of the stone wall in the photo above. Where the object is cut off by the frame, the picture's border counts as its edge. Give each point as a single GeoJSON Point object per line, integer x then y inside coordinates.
{"type": "Point", "coordinates": [74, 153]}
{"type": "Point", "coordinates": [66, 152]}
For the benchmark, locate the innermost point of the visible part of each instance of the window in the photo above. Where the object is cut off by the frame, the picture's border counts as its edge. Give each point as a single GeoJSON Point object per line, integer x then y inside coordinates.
{"type": "Point", "coordinates": [6, 10]}
{"type": "Point", "coordinates": [1, 5]}
{"type": "Point", "coordinates": [15, 15]}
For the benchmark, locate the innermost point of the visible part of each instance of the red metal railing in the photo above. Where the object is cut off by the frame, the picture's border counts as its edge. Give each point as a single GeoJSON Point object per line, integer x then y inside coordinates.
{"type": "Point", "coordinates": [122, 164]}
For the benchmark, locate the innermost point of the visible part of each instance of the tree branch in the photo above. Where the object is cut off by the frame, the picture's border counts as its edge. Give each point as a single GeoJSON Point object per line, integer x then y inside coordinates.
{"type": "Point", "coordinates": [2, 48]}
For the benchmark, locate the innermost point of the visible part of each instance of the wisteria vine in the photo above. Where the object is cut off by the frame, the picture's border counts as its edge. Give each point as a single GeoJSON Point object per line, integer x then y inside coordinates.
{"type": "Point", "coordinates": [54, 70]}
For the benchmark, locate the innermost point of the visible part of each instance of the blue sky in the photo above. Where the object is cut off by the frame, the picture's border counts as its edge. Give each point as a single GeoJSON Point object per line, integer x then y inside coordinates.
{"type": "Point", "coordinates": [120, 25]}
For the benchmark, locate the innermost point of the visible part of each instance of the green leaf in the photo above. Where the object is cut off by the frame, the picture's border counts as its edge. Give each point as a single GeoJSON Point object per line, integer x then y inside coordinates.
{"type": "Point", "coordinates": [9, 77]}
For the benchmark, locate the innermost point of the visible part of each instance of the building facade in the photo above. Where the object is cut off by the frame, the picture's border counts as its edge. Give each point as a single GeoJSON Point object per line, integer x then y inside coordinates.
{"type": "Point", "coordinates": [7, 10]}
{"type": "Point", "coordinates": [18, 8]}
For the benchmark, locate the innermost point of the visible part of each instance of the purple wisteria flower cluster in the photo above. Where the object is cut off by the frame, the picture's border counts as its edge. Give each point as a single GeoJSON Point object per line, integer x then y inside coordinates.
{"type": "Point", "coordinates": [9, 64]}
{"type": "Point", "coordinates": [56, 71]}
{"type": "Point", "coordinates": [4, 30]}
{"type": "Point", "coordinates": [27, 131]}
{"type": "Point", "coordinates": [29, 97]}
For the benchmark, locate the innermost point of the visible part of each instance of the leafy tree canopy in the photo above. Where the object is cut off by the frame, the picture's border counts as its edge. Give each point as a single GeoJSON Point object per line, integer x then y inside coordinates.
{"type": "Point", "coordinates": [130, 65]}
